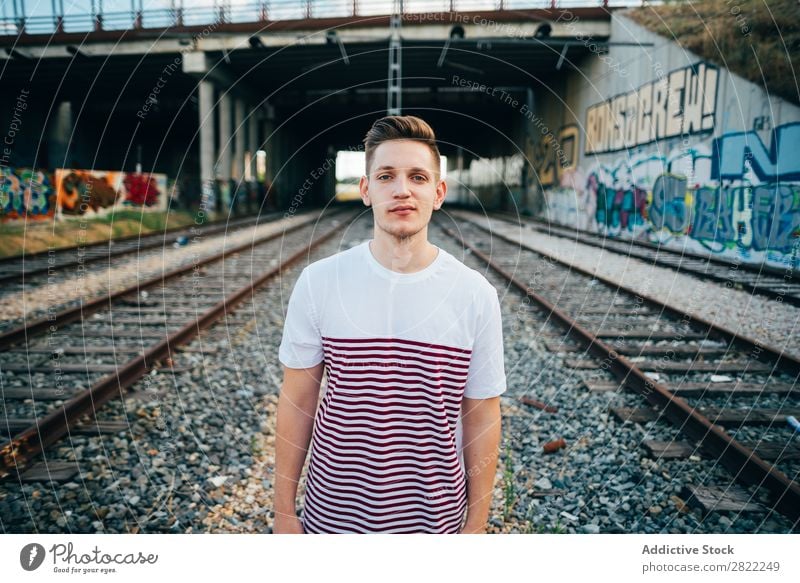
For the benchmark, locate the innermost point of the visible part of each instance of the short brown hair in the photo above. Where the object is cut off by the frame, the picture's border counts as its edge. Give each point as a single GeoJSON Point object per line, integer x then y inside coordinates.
{"type": "Point", "coordinates": [400, 127]}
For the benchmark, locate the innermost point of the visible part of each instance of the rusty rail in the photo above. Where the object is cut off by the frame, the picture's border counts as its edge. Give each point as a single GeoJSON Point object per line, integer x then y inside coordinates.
{"type": "Point", "coordinates": [33, 440]}
{"type": "Point", "coordinates": [53, 323]}
{"type": "Point", "coordinates": [740, 461]}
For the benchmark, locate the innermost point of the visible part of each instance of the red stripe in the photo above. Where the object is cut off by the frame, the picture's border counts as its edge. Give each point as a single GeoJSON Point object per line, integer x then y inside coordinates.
{"type": "Point", "coordinates": [371, 433]}
{"type": "Point", "coordinates": [356, 373]}
{"type": "Point", "coordinates": [348, 394]}
{"type": "Point", "coordinates": [400, 445]}
{"type": "Point", "coordinates": [412, 383]}
{"type": "Point", "coordinates": [376, 392]}
{"type": "Point", "coordinates": [403, 370]}
{"type": "Point", "coordinates": [434, 506]}
{"type": "Point", "coordinates": [315, 525]}
{"type": "Point", "coordinates": [383, 447]}
{"type": "Point", "coordinates": [395, 351]}
{"type": "Point", "coordinates": [434, 412]}
{"type": "Point", "coordinates": [447, 444]}
{"type": "Point", "coordinates": [391, 341]}
{"type": "Point", "coordinates": [439, 411]}
{"type": "Point", "coordinates": [336, 356]}
{"type": "Point", "coordinates": [391, 508]}
{"type": "Point", "coordinates": [399, 400]}
{"type": "Point", "coordinates": [454, 514]}
{"type": "Point", "coordinates": [352, 494]}
{"type": "Point", "coordinates": [405, 460]}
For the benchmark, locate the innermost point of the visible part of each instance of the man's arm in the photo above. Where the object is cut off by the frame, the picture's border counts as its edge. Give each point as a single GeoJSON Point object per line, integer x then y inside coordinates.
{"type": "Point", "coordinates": [297, 407]}
{"type": "Point", "coordinates": [481, 423]}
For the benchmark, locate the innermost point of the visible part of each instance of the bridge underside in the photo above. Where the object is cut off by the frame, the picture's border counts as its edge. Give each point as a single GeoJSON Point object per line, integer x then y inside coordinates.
{"type": "Point", "coordinates": [300, 103]}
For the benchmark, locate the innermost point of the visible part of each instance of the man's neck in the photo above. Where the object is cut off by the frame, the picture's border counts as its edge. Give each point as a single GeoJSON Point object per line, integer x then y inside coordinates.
{"type": "Point", "coordinates": [406, 255]}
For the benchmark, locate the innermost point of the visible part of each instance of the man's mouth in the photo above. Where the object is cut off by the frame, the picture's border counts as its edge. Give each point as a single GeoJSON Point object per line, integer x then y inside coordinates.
{"type": "Point", "coordinates": [402, 210]}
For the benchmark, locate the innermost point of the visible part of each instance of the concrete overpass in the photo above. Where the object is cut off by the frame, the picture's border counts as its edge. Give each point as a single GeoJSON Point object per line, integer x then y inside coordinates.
{"type": "Point", "coordinates": [196, 101]}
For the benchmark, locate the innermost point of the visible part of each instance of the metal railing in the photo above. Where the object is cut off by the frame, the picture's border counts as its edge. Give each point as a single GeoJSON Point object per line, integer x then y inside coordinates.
{"type": "Point", "coordinates": [225, 11]}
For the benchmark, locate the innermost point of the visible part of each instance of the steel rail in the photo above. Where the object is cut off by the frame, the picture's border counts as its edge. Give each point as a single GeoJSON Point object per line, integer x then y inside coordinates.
{"type": "Point", "coordinates": [543, 226]}
{"type": "Point", "coordinates": [740, 461]}
{"type": "Point", "coordinates": [32, 441]}
{"type": "Point", "coordinates": [756, 348]}
{"type": "Point", "coordinates": [69, 315]}
{"type": "Point", "coordinates": [766, 288]}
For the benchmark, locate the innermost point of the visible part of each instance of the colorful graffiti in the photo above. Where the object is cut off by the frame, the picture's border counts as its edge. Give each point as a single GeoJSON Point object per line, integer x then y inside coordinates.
{"type": "Point", "coordinates": [81, 191]}
{"type": "Point", "coordinates": [25, 193]}
{"type": "Point", "coordinates": [556, 155]}
{"type": "Point", "coordinates": [141, 189]}
{"type": "Point", "coordinates": [732, 195]}
{"type": "Point", "coordinates": [681, 103]}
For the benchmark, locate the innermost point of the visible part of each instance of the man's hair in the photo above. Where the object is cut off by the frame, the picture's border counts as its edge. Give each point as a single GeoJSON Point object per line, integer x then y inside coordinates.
{"type": "Point", "coordinates": [400, 127]}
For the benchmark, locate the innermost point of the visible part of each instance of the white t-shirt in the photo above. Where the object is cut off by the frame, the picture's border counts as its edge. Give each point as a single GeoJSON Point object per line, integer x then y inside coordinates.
{"type": "Point", "coordinates": [400, 351]}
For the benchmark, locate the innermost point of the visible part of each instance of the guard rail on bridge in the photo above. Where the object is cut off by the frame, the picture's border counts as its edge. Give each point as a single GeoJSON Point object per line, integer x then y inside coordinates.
{"type": "Point", "coordinates": [176, 14]}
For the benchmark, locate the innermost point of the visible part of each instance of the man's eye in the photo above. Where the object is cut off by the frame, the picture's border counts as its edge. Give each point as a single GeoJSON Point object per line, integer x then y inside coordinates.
{"type": "Point", "coordinates": [382, 176]}
{"type": "Point", "coordinates": [420, 176]}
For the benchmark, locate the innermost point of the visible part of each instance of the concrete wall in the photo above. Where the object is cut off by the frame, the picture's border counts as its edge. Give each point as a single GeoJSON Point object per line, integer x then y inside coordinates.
{"type": "Point", "coordinates": [649, 141]}
{"type": "Point", "coordinates": [496, 176]}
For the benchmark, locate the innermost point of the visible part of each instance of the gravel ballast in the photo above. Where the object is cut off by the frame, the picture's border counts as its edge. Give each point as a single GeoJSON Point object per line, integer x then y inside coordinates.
{"type": "Point", "coordinates": [772, 322]}
{"type": "Point", "coordinates": [198, 455]}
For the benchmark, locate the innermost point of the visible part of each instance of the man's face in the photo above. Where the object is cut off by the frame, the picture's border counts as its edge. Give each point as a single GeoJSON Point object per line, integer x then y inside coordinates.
{"type": "Point", "coordinates": [402, 187]}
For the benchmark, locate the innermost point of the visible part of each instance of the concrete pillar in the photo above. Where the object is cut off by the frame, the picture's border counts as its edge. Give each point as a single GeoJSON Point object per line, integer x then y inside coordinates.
{"type": "Point", "coordinates": [58, 136]}
{"type": "Point", "coordinates": [239, 190]}
{"type": "Point", "coordinates": [271, 145]}
{"type": "Point", "coordinates": [225, 157]}
{"type": "Point", "coordinates": [528, 174]}
{"type": "Point", "coordinates": [253, 141]}
{"type": "Point", "coordinates": [208, 199]}
{"type": "Point", "coordinates": [462, 197]}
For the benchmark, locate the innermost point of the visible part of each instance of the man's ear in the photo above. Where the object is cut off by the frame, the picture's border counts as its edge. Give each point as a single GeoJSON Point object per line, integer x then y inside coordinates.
{"type": "Point", "coordinates": [441, 193]}
{"type": "Point", "coordinates": [363, 186]}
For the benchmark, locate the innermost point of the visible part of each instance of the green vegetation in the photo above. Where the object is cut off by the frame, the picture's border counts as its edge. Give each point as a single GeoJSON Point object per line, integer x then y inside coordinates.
{"type": "Point", "coordinates": [509, 487]}
{"type": "Point", "coordinates": [40, 235]}
{"type": "Point", "coordinates": [756, 39]}
{"type": "Point", "coordinates": [557, 528]}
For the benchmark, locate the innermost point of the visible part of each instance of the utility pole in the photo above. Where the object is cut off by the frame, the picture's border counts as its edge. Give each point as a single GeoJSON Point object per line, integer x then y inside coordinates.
{"type": "Point", "coordinates": [395, 90]}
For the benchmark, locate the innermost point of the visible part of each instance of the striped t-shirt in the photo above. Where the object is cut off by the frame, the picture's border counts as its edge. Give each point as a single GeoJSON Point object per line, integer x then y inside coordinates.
{"type": "Point", "coordinates": [400, 352]}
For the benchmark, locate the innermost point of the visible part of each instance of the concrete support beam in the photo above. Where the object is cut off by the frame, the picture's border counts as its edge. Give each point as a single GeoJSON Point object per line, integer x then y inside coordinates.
{"type": "Point", "coordinates": [230, 160]}
{"type": "Point", "coordinates": [224, 142]}
{"type": "Point", "coordinates": [270, 146]}
{"type": "Point", "coordinates": [239, 192]}
{"type": "Point", "coordinates": [253, 143]}
{"type": "Point", "coordinates": [208, 201]}
{"type": "Point", "coordinates": [225, 146]}
{"type": "Point", "coordinates": [59, 134]}
{"type": "Point", "coordinates": [239, 130]}
{"type": "Point", "coordinates": [200, 66]}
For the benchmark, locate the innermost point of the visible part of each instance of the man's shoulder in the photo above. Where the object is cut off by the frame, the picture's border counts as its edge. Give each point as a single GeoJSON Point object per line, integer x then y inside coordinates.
{"type": "Point", "coordinates": [466, 275]}
{"type": "Point", "coordinates": [334, 264]}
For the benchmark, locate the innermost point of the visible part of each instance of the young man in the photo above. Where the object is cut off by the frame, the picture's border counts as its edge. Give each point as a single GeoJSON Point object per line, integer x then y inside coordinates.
{"type": "Point", "coordinates": [412, 342]}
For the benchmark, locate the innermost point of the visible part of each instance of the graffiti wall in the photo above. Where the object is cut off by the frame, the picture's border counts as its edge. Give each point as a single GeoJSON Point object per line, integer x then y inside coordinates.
{"type": "Point", "coordinates": [25, 193]}
{"type": "Point", "coordinates": [688, 156]}
{"type": "Point", "coordinates": [91, 191]}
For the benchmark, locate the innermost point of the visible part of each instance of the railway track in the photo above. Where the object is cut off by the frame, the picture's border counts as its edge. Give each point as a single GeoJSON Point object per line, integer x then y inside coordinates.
{"type": "Point", "coordinates": [18, 272]}
{"type": "Point", "coordinates": [58, 372]}
{"type": "Point", "coordinates": [729, 397]}
{"type": "Point", "coordinates": [774, 283]}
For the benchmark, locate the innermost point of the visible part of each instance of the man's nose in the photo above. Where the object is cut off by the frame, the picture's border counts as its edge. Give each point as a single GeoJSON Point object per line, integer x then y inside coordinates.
{"type": "Point", "coordinates": [401, 187]}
